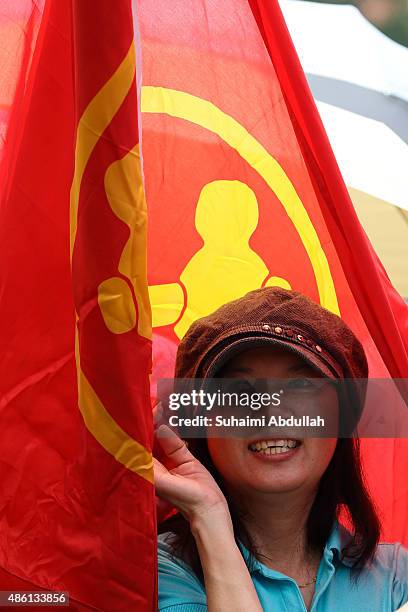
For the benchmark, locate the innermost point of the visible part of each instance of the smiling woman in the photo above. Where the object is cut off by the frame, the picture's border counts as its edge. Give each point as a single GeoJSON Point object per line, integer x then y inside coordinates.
{"type": "Point", "coordinates": [258, 524]}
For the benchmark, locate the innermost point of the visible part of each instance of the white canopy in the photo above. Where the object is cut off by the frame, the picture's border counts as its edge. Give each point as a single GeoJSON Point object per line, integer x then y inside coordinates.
{"type": "Point", "coordinates": [359, 79]}
{"type": "Point", "coordinates": [337, 41]}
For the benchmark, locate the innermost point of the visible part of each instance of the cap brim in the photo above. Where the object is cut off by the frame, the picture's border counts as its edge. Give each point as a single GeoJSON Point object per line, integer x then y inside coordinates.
{"type": "Point", "coordinates": [250, 342]}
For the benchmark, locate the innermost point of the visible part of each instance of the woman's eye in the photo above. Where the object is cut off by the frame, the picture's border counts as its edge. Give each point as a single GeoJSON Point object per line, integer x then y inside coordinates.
{"type": "Point", "coordinates": [241, 386]}
{"type": "Point", "coordinates": [301, 384]}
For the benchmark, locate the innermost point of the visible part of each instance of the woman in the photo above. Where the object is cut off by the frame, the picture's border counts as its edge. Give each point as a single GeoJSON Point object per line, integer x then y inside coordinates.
{"type": "Point", "coordinates": [257, 524]}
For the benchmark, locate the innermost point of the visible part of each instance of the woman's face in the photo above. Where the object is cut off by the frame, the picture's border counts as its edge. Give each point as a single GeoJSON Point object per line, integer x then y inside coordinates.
{"type": "Point", "coordinates": [247, 469]}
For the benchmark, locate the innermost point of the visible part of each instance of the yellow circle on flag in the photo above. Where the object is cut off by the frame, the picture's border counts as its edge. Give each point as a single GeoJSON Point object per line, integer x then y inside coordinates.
{"type": "Point", "coordinates": [201, 112]}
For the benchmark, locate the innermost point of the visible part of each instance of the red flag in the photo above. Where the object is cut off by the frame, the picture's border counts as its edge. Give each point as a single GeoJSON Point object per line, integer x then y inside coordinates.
{"type": "Point", "coordinates": [16, 53]}
{"type": "Point", "coordinates": [77, 501]}
{"type": "Point", "coordinates": [243, 191]}
{"type": "Point", "coordinates": [381, 306]}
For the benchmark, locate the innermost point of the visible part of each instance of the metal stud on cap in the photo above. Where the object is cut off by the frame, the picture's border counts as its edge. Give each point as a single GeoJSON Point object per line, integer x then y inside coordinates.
{"type": "Point", "coordinates": [278, 329]}
{"type": "Point", "coordinates": [318, 348]}
{"type": "Point", "coordinates": [266, 327]}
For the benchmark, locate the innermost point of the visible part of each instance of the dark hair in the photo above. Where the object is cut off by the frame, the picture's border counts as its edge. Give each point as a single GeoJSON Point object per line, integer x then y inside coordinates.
{"type": "Point", "coordinates": [341, 488]}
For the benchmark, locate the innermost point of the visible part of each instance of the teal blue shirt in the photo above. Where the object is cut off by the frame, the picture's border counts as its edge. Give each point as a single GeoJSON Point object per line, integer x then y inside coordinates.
{"type": "Point", "coordinates": [381, 587]}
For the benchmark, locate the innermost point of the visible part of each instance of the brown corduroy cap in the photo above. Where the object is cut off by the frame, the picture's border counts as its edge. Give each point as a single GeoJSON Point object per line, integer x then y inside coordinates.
{"type": "Point", "coordinates": [273, 315]}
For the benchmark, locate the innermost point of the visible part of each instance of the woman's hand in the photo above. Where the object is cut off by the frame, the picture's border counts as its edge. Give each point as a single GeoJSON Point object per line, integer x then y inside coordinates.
{"type": "Point", "coordinates": [187, 485]}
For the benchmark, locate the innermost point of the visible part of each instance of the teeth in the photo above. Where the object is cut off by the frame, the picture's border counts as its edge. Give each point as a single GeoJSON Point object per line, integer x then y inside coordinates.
{"type": "Point", "coordinates": [273, 447]}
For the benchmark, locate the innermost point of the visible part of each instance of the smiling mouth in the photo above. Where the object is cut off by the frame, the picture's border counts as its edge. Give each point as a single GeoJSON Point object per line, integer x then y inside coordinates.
{"type": "Point", "coordinates": [273, 447]}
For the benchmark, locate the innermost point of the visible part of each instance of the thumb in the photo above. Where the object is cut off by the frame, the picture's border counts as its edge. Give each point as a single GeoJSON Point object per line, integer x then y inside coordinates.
{"type": "Point", "coordinates": [174, 447]}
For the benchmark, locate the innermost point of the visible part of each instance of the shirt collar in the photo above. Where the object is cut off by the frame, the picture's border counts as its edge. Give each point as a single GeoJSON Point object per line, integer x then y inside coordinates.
{"type": "Point", "coordinates": [336, 541]}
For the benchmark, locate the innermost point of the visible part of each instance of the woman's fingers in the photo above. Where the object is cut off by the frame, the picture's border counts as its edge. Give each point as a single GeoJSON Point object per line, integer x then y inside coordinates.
{"type": "Point", "coordinates": [173, 446]}
{"type": "Point", "coordinates": [174, 489]}
{"type": "Point", "coordinates": [163, 480]}
{"type": "Point", "coordinates": [157, 413]}
{"type": "Point", "coordinates": [159, 469]}
{"type": "Point", "coordinates": [164, 509]}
